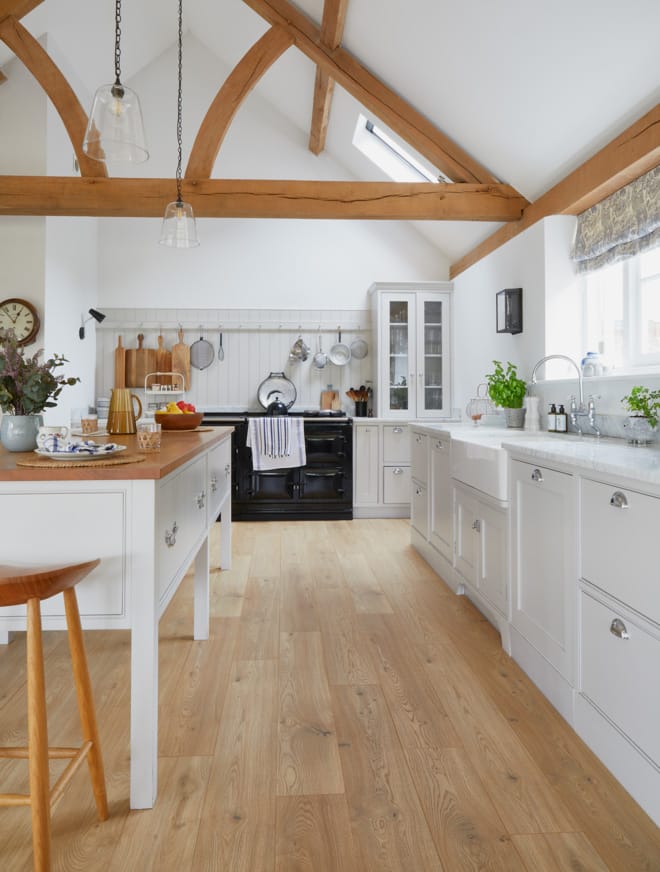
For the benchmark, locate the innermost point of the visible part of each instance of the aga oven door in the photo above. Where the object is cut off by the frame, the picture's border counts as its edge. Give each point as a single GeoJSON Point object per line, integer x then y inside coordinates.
{"type": "Point", "coordinates": [322, 484]}
{"type": "Point", "coordinates": [273, 485]}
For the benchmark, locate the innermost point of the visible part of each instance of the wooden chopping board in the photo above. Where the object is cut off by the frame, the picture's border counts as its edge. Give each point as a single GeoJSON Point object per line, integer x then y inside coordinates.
{"type": "Point", "coordinates": [181, 360]}
{"type": "Point", "coordinates": [163, 362]}
{"type": "Point", "coordinates": [139, 362]}
{"type": "Point", "coordinates": [130, 364]}
{"type": "Point", "coordinates": [120, 365]}
{"type": "Point", "coordinates": [329, 400]}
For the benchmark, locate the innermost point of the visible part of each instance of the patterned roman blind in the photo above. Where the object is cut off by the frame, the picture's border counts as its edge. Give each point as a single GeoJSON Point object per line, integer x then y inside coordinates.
{"type": "Point", "coordinates": [620, 226]}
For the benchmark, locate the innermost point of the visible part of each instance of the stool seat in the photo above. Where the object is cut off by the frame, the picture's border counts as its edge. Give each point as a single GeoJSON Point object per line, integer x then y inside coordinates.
{"type": "Point", "coordinates": [29, 585]}
{"type": "Point", "coordinates": [18, 584]}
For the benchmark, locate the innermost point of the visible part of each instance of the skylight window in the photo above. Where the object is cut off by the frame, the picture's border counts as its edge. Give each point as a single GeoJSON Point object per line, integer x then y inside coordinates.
{"type": "Point", "coordinates": [397, 161]}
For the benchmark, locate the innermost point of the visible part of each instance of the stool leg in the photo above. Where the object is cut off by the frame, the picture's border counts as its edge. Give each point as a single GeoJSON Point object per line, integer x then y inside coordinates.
{"type": "Point", "coordinates": [38, 740]}
{"type": "Point", "coordinates": [85, 701]}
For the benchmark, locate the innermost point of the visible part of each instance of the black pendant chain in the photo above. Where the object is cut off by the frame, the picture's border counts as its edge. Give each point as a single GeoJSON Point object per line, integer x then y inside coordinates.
{"type": "Point", "coordinates": [117, 89]}
{"type": "Point", "coordinates": [179, 133]}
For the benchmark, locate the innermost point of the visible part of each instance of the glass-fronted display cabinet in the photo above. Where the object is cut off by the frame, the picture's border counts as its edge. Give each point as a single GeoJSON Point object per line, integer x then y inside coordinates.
{"type": "Point", "coordinates": [413, 350]}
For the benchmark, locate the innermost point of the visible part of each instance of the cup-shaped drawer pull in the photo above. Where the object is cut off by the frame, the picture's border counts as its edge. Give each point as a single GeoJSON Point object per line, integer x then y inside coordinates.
{"type": "Point", "coordinates": [618, 500]}
{"type": "Point", "coordinates": [476, 526]}
{"type": "Point", "coordinates": [618, 629]}
{"type": "Point", "coordinates": [227, 469]}
{"type": "Point", "coordinates": [214, 484]}
{"type": "Point", "coordinates": [537, 475]}
{"type": "Point", "coordinates": [439, 444]}
{"type": "Point", "coordinates": [170, 536]}
{"type": "Point", "coordinates": [201, 499]}
{"type": "Point", "coordinates": [400, 430]}
{"type": "Point", "coordinates": [418, 491]}
{"type": "Point", "coordinates": [397, 471]}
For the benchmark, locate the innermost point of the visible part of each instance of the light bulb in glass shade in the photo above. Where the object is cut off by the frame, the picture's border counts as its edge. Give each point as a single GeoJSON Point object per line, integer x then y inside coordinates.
{"type": "Point", "coordinates": [115, 131]}
{"type": "Point", "coordinates": [179, 228]}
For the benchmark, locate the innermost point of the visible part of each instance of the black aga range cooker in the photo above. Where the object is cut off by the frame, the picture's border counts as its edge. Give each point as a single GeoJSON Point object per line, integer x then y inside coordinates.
{"type": "Point", "coordinates": [321, 490]}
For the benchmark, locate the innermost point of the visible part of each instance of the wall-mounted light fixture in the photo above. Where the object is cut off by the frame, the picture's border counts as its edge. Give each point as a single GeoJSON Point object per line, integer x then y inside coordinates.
{"type": "Point", "coordinates": [93, 314]}
{"type": "Point", "coordinates": [508, 311]}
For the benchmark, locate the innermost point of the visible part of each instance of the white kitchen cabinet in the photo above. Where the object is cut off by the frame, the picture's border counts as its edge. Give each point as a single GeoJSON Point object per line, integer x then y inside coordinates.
{"type": "Point", "coordinates": [413, 355]}
{"type": "Point", "coordinates": [544, 571]}
{"type": "Point", "coordinates": [481, 547]}
{"type": "Point", "coordinates": [441, 519]}
{"type": "Point", "coordinates": [366, 466]}
{"type": "Point", "coordinates": [396, 486]}
{"type": "Point", "coordinates": [419, 470]}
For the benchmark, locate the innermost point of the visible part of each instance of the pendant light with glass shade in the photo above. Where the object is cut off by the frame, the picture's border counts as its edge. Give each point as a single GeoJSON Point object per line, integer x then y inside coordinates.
{"type": "Point", "coordinates": [179, 229]}
{"type": "Point", "coordinates": [115, 131]}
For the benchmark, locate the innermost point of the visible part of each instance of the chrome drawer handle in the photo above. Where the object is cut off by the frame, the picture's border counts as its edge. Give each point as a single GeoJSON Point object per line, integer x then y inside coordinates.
{"type": "Point", "coordinates": [227, 468]}
{"type": "Point", "coordinates": [537, 475]}
{"type": "Point", "coordinates": [476, 526]}
{"type": "Point", "coordinates": [618, 629]}
{"type": "Point", "coordinates": [618, 500]}
{"type": "Point", "coordinates": [170, 536]}
{"type": "Point", "coordinates": [439, 444]}
{"type": "Point", "coordinates": [397, 471]}
{"type": "Point", "coordinates": [418, 491]}
{"type": "Point", "coordinates": [400, 430]}
{"type": "Point", "coordinates": [201, 499]}
{"type": "Point", "coordinates": [214, 484]}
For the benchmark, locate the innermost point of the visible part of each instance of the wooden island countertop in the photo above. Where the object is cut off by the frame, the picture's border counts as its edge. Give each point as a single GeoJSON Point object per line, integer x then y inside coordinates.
{"type": "Point", "coordinates": [177, 447]}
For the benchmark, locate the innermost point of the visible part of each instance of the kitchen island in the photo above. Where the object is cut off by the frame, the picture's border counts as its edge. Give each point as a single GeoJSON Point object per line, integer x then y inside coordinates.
{"type": "Point", "coordinates": [148, 517]}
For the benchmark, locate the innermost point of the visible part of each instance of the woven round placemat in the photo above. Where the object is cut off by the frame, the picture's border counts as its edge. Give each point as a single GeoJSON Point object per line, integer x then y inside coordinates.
{"type": "Point", "coordinates": [45, 463]}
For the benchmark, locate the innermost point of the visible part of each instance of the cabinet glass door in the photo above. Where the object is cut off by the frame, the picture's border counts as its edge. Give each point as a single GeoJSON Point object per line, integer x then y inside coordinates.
{"type": "Point", "coordinates": [399, 354]}
{"type": "Point", "coordinates": [432, 388]}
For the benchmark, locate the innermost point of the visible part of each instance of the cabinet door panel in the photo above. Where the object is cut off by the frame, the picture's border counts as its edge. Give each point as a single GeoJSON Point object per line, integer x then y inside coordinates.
{"type": "Point", "coordinates": [419, 510]}
{"type": "Point", "coordinates": [365, 465]}
{"type": "Point", "coordinates": [492, 575]}
{"type": "Point", "coordinates": [442, 505]}
{"type": "Point", "coordinates": [433, 358]}
{"type": "Point", "coordinates": [396, 443]}
{"type": "Point", "coordinates": [419, 454]}
{"type": "Point", "coordinates": [467, 536]}
{"type": "Point", "coordinates": [396, 485]}
{"type": "Point", "coordinates": [219, 477]}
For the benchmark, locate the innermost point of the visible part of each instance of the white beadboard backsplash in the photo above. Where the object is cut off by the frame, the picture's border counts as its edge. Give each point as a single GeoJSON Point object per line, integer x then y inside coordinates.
{"type": "Point", "coordinates": [256, 342]}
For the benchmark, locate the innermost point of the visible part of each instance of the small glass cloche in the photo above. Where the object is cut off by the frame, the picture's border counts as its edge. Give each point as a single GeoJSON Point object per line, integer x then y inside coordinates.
{"type": "Point", "coordinates": [479, 405]}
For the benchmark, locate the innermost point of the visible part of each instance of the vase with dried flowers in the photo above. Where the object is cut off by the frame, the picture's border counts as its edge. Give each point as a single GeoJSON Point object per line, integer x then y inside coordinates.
{"type": "Point", "coordinates": [28, 385]}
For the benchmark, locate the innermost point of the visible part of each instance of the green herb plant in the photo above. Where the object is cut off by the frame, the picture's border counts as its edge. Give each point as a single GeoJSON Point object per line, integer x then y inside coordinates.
{"type": "Point", "coordinates": [643, 402]}
{"type": "Point", "coordinates": [504, 387]}
{"type": "Point", "coordinates": [28, 385]}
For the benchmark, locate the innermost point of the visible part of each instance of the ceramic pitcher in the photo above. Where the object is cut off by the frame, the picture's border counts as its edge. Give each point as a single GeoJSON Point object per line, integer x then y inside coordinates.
{"type": "Point", "coordinates": [122, 414]}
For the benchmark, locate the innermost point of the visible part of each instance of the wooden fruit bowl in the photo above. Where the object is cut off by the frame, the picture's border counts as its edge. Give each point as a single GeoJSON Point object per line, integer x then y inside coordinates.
{"type": "Point", "coordinates": [186, 421]}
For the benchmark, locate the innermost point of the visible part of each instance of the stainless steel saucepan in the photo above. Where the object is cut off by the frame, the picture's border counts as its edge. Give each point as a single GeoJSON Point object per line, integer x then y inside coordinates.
{"type": "Point", "coordinates": [340, 353]}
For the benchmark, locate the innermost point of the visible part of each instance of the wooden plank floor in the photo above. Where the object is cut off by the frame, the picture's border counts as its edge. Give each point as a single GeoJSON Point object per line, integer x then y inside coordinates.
{"type": "Point", "coordinates": [349, 713]}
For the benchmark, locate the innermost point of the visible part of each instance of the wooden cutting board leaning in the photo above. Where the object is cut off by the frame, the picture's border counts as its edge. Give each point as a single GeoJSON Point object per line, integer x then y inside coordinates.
{"type": "Point", "coordinates": [330, 400]}
{"type": "Point", "coordinates": [140, 362]}
{"type": "Point", "coordinates": [163, 362]}
{"type": "Point", "coordinates": [181, 360]}
{"type": "Point", "coordinates": [120, 365]}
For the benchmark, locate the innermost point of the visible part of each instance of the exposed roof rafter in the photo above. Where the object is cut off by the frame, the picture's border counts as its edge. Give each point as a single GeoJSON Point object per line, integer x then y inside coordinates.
{"type": "Point", "coordinates": [332, 32]}
{"type": "Point", "coordinates": [17, 8]}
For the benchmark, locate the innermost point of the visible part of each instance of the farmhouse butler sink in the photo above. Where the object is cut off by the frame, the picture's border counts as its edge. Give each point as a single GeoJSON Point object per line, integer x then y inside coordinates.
{"type": "Point", "coordinates": [478, 459]}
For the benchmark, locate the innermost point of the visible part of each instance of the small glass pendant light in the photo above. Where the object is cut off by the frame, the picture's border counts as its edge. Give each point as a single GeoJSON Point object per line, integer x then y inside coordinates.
{"type": "Point", "coordinates": [179, 228]}
{"type": "Point", "coordinates": [115, 131]}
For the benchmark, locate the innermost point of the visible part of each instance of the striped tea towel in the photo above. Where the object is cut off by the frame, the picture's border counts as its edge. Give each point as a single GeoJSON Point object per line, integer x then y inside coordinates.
{"type": "Point", "coordinates": [277, 442]}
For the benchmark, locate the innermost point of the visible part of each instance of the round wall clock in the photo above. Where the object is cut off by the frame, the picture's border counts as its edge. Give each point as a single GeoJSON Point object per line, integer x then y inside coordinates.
{"type": "Point", "coordinates": [21, 317]}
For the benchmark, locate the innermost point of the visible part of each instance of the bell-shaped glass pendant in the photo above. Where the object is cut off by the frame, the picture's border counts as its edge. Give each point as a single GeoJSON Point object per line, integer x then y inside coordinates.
{"type": "Point", "coordinates": [179, 228]}
{"type": "Point", "coordinates": [115, 131]}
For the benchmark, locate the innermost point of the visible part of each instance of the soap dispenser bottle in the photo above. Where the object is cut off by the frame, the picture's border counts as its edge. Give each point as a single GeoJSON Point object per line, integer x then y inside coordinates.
{"type": "Point", "coordinates": [552, 419]}
{"type": "Point", "coordinates": [562, 420]}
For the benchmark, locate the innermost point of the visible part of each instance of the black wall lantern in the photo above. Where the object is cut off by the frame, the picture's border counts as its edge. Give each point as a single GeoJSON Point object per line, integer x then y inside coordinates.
{"type": "Point", "coordinates": [508, 305]}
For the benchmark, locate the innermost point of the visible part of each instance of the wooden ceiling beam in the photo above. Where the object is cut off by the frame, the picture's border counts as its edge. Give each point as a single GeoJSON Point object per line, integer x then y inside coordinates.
{"type": "Point", "coordinates": [61, 94]}
{"type": "Point", "coordinates": [17, 8]}
{"type": "Point", "coordinates": [230, 198]}
{"type": "Point", "coordinates": [229, 98]}
{"type": "Point", "coordinates": [332, 32]}
{"type": "Point", "coordinates": [391, 109]}
{"type": "Point", "coordinates": [3, 78]}
{"type": "Point", "coordinates": [634, 152]}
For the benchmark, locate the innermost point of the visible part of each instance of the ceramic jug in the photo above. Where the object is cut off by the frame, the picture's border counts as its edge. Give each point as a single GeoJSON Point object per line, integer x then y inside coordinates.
{"type": "Point", "coordinates": [122, 414]}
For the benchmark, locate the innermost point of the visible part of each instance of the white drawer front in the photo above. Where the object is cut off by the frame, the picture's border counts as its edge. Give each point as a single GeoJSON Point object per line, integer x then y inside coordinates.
{"type": "Point", "coordinates": [420, 457]}
{"type": "Point", "coordinates": [396, 484]}
{"type": "Point", "coordinates": [219, 477]}
{"type": "Point", "coordinates": [621, 675]}
{"type": "Point", "coordinates": [419, 509]}
{"type": "Point", "coordinates": [396, 444]}
{"type": "Point", "coordinates": [619, 535]}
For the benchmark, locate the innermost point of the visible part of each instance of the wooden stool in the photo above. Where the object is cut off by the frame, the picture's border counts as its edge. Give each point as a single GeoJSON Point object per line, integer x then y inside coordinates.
{"type": "Point", "coordinates": [30, 585]}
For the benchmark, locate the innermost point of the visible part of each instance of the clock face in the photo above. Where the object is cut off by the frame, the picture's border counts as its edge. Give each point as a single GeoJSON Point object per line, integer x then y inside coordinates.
{"type": "Point", "coordinates": [21, 317]}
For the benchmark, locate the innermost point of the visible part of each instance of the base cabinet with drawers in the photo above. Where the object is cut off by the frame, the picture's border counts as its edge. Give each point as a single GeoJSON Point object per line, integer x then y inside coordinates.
{"type": "Point", "coordinates": [381, 469]}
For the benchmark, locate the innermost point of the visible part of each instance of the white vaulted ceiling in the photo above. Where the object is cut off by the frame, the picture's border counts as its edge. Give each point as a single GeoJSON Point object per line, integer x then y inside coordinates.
{"type": "Point", "coordinates": [529, 88]}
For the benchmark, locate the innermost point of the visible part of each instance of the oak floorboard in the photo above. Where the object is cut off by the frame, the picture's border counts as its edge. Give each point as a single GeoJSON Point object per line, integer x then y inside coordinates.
{"type": "Point", "coordinates": [367, 594]}
{"type": "Point", "coordinates": [297, 602]}
{"type": "Point", "coordinates": [191, 708]}
{"type": "Point", "coordinates": [417, 711]}
{"type": "Point", "coordinates": [308, 757]}
{"type": "Point", "coordinates": [314, 835]}
{"type": "Point", "coordinates": [259, 624]}
{"type": "Point", "coordinates": [228, 588]}
{"type": "Point", "coordinates": [169, 845]}
{"type": "Point", "coordinates": [347, 658]}
{"type": "Point", "coordinates": [557, 852]}
{"type": "Point", "coordinates": [467, 830]}
{"type": "Point", "coordinates": [237, 822]}
{"type": "Point", "coordinates": [267, 552]}
{"type": "Point", "coordinates": [390, 832]}
{"type": "Point", "coordinates": [525, 798]}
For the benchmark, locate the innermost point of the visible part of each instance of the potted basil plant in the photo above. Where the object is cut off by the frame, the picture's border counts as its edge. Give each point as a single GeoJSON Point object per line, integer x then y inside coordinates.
{"type": "Point", "coordinates": [508, 391]}
{"type": "Point", "coordinates": [644, 407]}
{"type": "Point", "coordinates": [28, 385]}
